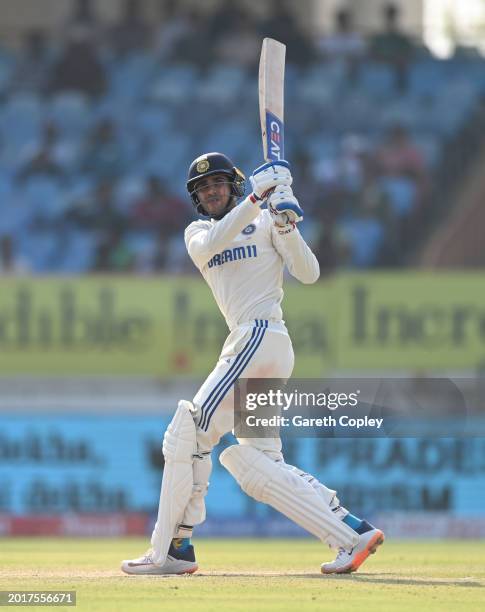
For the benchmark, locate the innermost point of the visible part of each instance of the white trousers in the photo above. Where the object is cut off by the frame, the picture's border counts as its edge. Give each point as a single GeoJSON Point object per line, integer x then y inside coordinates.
{"type": "Point", "coordinates": [260, 349]}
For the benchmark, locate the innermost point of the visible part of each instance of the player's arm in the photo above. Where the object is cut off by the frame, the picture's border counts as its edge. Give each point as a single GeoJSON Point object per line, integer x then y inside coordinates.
{"type": "Point", "coordinates": [285, 212]}
{"type": "Point", "coordinates": [203, 241]}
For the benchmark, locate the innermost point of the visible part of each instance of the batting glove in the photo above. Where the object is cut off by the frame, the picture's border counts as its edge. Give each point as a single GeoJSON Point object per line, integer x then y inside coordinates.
{"type": "Point", "coordinates": [268, 176]}
{"type": "Point", "coordinates": [284, 209]}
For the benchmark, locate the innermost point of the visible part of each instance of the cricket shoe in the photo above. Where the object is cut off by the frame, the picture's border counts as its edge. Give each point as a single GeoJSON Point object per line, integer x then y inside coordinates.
{"type": "Point", "coordinates": [347, 562]}
{"type": "Point", "coordinates": [177, 562]}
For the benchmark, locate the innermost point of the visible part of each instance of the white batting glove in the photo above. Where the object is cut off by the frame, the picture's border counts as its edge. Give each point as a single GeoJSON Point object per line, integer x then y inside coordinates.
{"type": "Point", "coordinates": [268, 176]}
{"type": "Point", "coordinates": [284, 209]}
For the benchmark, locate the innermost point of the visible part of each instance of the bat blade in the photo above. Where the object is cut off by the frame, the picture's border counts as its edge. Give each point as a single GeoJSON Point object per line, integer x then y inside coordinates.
{"type": "Point", "coordinates": [271, 98]}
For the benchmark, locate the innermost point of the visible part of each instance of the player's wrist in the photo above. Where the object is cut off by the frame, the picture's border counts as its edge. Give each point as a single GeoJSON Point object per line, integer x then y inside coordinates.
{"type": "Point", "coordinates": [254, 199]}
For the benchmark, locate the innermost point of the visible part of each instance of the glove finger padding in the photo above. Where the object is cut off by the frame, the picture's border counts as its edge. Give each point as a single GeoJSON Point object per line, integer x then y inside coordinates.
{"type": "Point", "coordinates": [282, 204]}
{"type": "Point", "coordinates": [268, 176]}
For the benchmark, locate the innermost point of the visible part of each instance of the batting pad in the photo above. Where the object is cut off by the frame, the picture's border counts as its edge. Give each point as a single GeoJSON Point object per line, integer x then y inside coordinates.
{"type": "Point", "coordinates": [179, 448]}
{"type": "Point", "coordinates": [286, 491]}
{"type": "Point", "coordinates": [195, 511]}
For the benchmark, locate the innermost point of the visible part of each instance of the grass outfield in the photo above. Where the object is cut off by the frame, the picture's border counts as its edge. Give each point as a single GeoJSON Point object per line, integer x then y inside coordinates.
{"type": "Point", "coordinates": [263, 575]}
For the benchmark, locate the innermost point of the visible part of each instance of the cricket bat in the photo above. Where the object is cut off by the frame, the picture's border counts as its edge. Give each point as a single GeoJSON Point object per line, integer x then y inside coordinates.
{"type": "Point", "coordinates": [271, 98]}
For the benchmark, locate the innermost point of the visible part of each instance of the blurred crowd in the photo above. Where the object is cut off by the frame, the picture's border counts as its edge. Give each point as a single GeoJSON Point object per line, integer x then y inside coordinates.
{"type": "Point", "coordinates": [98, 125]}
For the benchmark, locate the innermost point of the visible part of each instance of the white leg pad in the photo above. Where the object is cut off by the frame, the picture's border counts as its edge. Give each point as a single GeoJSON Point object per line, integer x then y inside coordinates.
{"type": "Point", "coordinates": [179, 448]}
{"type": "Point", "coordinates": [195, 511]}
{"type": "Point", "coordinates": [328, 495]}
{"type": "Point", "coordinates": [286, 491]}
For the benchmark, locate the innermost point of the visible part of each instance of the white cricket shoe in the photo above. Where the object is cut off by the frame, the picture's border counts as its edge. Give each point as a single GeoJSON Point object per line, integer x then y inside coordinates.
{"type": "Point", "coordinates": [176, 563]}
{"type": "Point", "coordinates": [347, 562]}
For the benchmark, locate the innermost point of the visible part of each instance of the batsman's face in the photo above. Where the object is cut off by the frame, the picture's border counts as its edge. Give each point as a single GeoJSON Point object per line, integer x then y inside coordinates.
{"type": "Point", "coordinates": [214, 193]}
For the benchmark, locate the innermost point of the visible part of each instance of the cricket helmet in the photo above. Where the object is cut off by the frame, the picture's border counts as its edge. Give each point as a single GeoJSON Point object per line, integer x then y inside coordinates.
{"type": "Point", "coordinates": [215, 163]}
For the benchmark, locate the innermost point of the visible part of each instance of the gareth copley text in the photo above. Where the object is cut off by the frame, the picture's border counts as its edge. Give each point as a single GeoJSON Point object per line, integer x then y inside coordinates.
{"type": "Point", "coordinates": [300, 421]}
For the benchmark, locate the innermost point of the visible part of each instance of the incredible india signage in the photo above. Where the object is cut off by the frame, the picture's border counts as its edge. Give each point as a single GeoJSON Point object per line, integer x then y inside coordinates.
{"type": "Point", "coordinates": [167, 327]}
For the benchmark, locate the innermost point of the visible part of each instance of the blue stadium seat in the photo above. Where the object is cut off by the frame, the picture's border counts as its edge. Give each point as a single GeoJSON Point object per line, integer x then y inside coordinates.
{"type": "Point", "coordinates": [143, 244]}
{"type": "Point", "coordinates": [231, 138]}
{"type": "Point", "coordinates": [130, 77]}
{"type": "Point", "coordinates": [427, 77]}
{"type": "Point", "coordinates": [402, 194]}
{"type": "Point", "coordinates": [129, 190]}
{"type": "Point", "coordinates": [167, 156]}
{"type": "Point", "coordinates": [152, 120]}
{"type": "Point", "coordinates": [21, 118]}
{"type": "Point", "coordinates": [174, 84]}
{"type": "Point", "coordinates": [40, 248]}
{"type": "Point", "coordinates": [364, 238]}
{"type": "Point", "coordinates": [320, 85]}
{"type": "Point", "coordinates": [377, 80]}
{"type": "Point", "coordinates": [429, 144]}
{"type": "Point", "coordinates": [10, 219]}
{"type": "Point", "coordinates": [7, 64]}
{"type": "Point", "coordinates": [223, 85]}
{"type": "Point", "coordinates": [77, 254]}
{"type": "Point", "coordinates": [71, 111]}
{"type": "Point", "coordinates": [44, 198]}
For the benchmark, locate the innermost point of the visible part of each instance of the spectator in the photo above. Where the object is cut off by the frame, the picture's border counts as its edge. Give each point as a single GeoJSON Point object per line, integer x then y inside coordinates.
{"type": "Point", "coordinates": [113, 254]}
{"type": "Point", "coordinates": [239, 46]}
{"type": "Point", "coordinates": [392, 46]}
{"type": "Point", "coordinates": [78, 69]}
{"type": "Point", "coordinates": [83, 24]}
{"type": "Point", "coordinates": [360, 237]}
{"type": "Point", "coordinates": [282, 25]}
{"type": "Point", "coordinates": [158, 211]}
{"type": "Point", "coordinates": [10, 261]}
{"type": "Point", "coordinates": [50, 156]}
{"type": "Point", "coordinates": [399, 156]}
{"type": "Point", "coordinates": [404, 180]}
{"type": "Point", "coordinates": [103, 156]}
{"type": "Point", "coordinates": [344, 43]}
{"type": "Point", "coordinates": [176, 25]}
{"type": "Point", "coordinates": [98, 211]}
{"type": "Point", "coordinates": [31, 72]}
{"type": "Point", "coordinates": [353, 162]}
{"type": "Point", "coordinates": [325, 248]}
{"type": "Point", "coordinates": [131, 33]}
{"type": "Point", "coordinates": [195, 46]}
{"type": "Point", "coordinates": [224, 20]}
{"type": "Point", "coordinates": [47, 158]}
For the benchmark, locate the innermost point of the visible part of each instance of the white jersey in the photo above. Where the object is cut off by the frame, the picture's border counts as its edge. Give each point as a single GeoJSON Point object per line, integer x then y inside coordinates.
{"type": "Point", "coordinates": [242, 258]}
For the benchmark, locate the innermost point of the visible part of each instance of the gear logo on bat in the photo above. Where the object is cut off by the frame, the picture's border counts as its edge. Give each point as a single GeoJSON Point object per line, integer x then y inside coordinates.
{"type": "Point", "coordinates": [274, 135]}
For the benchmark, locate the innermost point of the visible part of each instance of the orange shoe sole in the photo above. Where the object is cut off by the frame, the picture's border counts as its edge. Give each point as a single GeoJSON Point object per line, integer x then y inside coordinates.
{"type": "Point", "coordinates": [360, 557]}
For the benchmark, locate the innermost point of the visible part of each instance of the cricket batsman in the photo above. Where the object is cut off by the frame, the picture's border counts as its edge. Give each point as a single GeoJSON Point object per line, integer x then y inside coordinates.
{"type": "Point", "coordinates": [241, 251]}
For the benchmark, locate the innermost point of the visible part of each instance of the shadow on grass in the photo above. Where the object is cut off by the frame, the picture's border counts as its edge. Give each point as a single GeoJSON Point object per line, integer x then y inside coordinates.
{"type": "Point", "coordinates": [377, 578]}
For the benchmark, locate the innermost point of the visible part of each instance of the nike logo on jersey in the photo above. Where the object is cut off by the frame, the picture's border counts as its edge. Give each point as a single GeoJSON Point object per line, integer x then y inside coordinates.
{"type": "Point", "coordinates": [235, 254]}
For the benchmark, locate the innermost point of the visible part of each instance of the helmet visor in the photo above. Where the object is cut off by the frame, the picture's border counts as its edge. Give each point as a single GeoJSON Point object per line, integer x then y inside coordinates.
{"type": "Point", "coordinates": [213, 184]}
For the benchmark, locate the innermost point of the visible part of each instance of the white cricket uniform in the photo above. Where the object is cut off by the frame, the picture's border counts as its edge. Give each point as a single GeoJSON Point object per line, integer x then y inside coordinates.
{"type": "Point", "coordinates": [242, 258]}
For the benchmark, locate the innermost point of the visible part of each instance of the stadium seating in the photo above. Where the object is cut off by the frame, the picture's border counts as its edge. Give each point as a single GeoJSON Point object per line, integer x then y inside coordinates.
{"type": "Point", "coordinates": [166, 114]}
